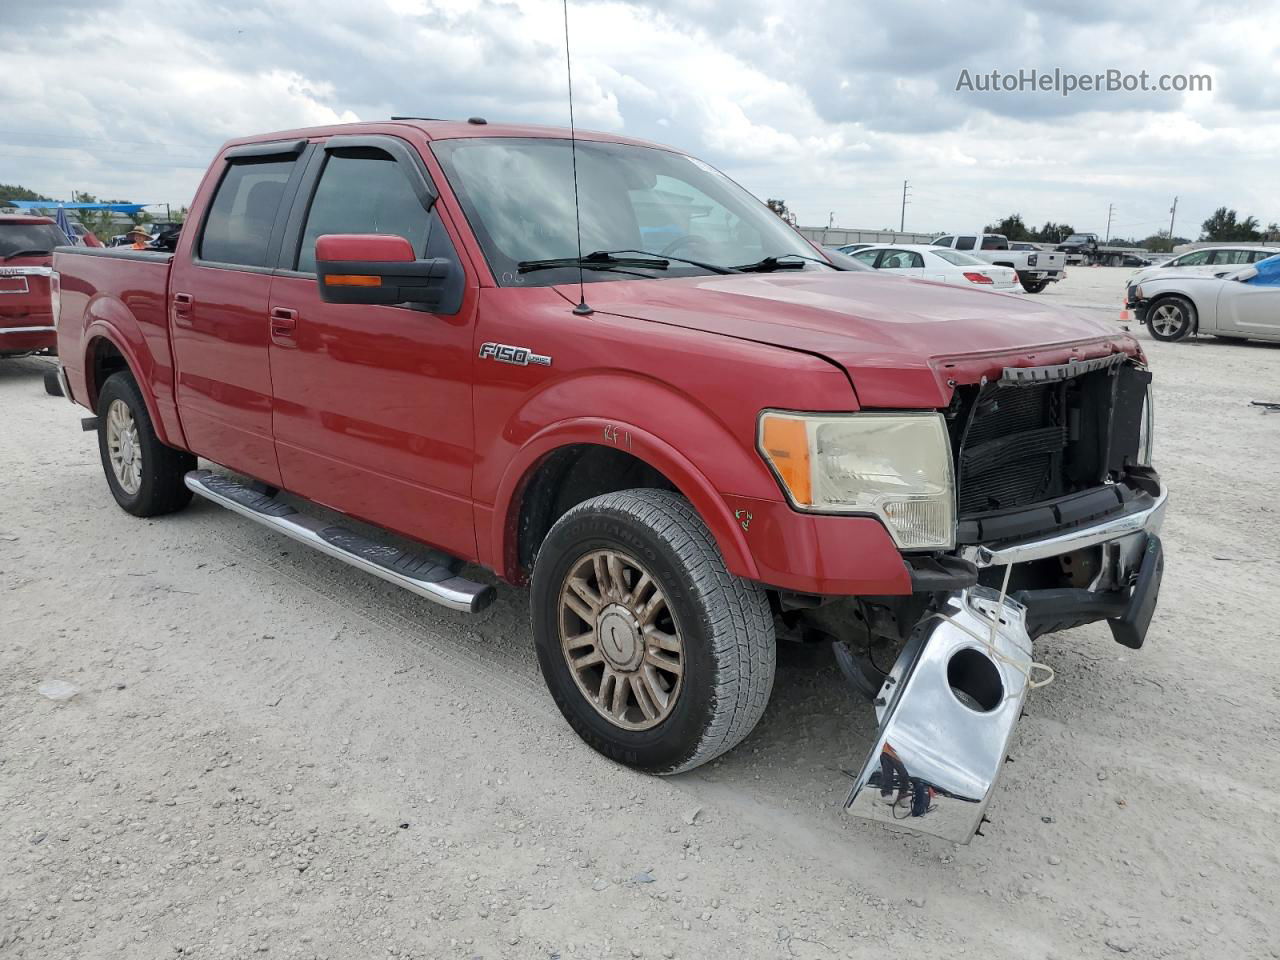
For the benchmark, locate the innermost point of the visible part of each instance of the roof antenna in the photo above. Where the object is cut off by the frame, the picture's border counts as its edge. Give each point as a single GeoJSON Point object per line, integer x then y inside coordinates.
{"type": "Point", "coordinates": [581, 309]}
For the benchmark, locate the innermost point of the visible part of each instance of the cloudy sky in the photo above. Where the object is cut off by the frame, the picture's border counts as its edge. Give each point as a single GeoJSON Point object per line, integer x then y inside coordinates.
{"type": "Point", "coordinates": [828, 105]}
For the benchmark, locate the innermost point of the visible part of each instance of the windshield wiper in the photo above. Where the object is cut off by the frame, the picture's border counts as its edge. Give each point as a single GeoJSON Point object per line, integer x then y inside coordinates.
{"type": "Point", "coordinates": [599, 260]}
{"type": "Point", "coordinates": [714, 268]}
{"type": "Point", "coordinates": [781, 262]}
{"type": "Point", "coordinates": [25, 253]}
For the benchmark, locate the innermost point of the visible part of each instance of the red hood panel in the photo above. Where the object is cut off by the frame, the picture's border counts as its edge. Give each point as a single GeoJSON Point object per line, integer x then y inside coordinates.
{"type": "Point", "coordinates": [900, 340]}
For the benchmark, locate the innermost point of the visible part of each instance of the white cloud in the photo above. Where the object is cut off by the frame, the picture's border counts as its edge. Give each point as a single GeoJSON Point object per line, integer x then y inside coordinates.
{"type": "Point", "coordinates": [829, 105]}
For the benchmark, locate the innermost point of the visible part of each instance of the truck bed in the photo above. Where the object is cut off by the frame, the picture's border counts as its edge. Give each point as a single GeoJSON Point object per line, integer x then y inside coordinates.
{"type": "Point", "coordinates": [123, 292]}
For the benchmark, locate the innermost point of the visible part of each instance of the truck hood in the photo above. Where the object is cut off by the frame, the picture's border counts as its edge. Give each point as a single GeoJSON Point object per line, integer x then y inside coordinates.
{"type": "Point", "coordinates": [903, 343]}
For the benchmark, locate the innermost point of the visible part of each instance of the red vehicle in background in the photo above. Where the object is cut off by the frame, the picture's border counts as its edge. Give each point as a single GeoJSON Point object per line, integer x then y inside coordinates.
{"type": "Point", "coordinates": [691, 432]}
{"type": "Point", "coordinates": [28, 291]}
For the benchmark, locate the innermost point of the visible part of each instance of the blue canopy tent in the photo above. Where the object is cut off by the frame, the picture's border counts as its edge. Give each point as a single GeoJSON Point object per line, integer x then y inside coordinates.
{"type": "Point", "coordinates": [129, 208]}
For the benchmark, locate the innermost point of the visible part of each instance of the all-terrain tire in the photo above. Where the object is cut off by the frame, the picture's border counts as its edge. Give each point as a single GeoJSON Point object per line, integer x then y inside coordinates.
{"type": "Point", "coordinates": [724, 623]}
{"type": "Point", "coordinates": [1170, 318]}
{"type": "Point", "coordinates": [160, 488]}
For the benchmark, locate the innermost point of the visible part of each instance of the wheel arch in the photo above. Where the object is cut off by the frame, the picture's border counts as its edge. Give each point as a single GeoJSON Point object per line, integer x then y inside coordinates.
{"type": "Point", "coordinates": [521, 519]}
{"type": "Point", "coordinates": [113, 340]}
{"type": "Point", "coordinates": [1185, 298]}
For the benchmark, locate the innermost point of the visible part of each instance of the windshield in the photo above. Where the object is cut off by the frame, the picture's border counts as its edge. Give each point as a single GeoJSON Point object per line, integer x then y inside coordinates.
{"type": "Point", "coordinates": [958, 258]}
{"type": "Point", "coordinates": [30, 238]}
{"type": "Point", "coordinates": [518, 196]}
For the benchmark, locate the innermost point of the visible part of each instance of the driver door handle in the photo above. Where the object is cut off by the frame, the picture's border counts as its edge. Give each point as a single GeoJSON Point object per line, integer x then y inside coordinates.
{"type": "Point", "coordinates": [283, 322]}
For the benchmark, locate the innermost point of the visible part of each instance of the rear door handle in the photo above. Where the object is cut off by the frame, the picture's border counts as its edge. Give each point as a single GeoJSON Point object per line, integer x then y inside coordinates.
{"type": "Point", "coordinates": [283, 322]}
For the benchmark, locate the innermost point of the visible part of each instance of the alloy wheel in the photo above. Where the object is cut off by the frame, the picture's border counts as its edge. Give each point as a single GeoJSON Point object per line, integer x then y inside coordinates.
{"type": "Point", "coordinates": [1166, 319]}
{"type": "Point", "coordinates": [620, 640]}
{"type": "Point", "coordinates": [124, 447]}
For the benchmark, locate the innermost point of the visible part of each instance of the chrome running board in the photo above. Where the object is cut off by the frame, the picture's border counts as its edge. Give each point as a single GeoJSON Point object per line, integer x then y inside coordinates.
{"type": "Point", "coordinates": [426, 572]}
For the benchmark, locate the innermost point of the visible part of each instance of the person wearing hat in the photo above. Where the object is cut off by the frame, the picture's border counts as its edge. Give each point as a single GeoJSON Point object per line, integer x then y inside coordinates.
{"type": "Point", "coordinates": [141, 239]}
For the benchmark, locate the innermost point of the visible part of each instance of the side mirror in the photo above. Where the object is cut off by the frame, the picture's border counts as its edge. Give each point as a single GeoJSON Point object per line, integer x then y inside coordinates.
{"type": "Point", "coordinates": [377, 268]}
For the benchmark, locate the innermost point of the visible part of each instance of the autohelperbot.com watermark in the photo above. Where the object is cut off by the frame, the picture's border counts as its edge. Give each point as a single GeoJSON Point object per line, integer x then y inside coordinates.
{"type": "Point", "coordinates": [1065, 83]}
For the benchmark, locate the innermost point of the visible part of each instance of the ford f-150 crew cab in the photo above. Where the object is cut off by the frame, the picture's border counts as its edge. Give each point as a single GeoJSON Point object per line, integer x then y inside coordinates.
{"type": "Point", "coordinates": [688, 431]}
{"type": "Point", "coordinates": [1036, 269]}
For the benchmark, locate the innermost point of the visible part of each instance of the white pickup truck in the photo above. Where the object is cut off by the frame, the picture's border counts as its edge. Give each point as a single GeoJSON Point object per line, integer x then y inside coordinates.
{"type": "Point", "coordinates": [1036, 269]}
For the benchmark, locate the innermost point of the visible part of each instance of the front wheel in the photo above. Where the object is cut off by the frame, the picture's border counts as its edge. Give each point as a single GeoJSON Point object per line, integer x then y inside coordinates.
{"type": "Point", "coordinates": [145, 476]}
{"type": "Point", "coordinates": [1170, 318]}
{"type": "Point", "coordinates": [656, 654]}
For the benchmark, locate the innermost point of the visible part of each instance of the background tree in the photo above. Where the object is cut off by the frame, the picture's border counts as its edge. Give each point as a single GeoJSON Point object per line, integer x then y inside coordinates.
{"type": "Point", "coordinates": [1161, 242]}
{"type": "Point", "coordinates": [1052, 232]}
{"type": "Point", "coordinates": [780, 208]}
{"type": "Point", "coordinates": [1224, 225]}
{"type": "Point", "coordinates": [1011, 226]}
{"type": "Point", "coordinates": [11, 191]}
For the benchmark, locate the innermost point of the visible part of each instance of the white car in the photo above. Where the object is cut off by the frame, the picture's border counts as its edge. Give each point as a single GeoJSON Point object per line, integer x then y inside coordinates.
{"type": "Point", "coordinates": [940, 264]}
{"type": "Point", "coordinates": [1243, 305]}
{"type": "Point", "coordinates": [1207, 261]}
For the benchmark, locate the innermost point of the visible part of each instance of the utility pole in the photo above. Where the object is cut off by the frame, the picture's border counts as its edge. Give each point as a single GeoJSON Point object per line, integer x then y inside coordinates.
{"type": "Point", "coordinates": [902, 224]}
{"type": "Point", "coordinates": [1172, 213]}
{"type": "Point", "coordinates": [1110, 209]}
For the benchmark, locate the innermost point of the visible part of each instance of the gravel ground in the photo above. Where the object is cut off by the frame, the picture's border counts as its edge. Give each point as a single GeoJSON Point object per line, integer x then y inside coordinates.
{"type": "Point", "coordinates": [271, 754]}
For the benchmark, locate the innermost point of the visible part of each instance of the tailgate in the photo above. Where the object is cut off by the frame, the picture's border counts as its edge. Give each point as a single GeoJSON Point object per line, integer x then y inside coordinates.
{"type": "Point", "coordinates": [25, 296]}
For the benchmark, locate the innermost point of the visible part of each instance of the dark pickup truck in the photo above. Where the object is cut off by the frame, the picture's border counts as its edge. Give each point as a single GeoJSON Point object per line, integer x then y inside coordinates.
{"type": "Point", "coordinates": [690, 432]}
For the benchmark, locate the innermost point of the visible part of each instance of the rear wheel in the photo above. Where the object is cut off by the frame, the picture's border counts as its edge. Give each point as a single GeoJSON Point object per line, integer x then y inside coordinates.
{"type": "Point", "coordinates": [145, 476]}
{"type": "Point", "coordinates": [1170, 318]}
{"type": "Point", "coordinates": [655, 653]}
{"type": "Point", "coordinates": [1034, 286]}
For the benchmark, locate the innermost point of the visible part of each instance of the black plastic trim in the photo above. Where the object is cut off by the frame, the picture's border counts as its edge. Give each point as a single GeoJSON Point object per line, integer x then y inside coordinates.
{"type": "Point", "coordinates": [274, 148]}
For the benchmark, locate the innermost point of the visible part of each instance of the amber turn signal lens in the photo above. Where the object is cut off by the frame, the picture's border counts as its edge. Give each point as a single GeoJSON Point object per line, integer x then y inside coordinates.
{"type": "Point", "coordinates": [785, 441]}
{"type": "Point", "coordinates": [352, 280]}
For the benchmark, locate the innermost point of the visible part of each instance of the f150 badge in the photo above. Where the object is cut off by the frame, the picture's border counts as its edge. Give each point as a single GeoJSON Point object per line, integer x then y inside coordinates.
{"type": "Point", "coordinates": [505, 353]}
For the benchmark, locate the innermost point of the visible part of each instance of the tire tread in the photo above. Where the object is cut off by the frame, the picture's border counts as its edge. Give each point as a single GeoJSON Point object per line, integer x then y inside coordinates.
{"type": "Point", "coordinates": [740, 626]}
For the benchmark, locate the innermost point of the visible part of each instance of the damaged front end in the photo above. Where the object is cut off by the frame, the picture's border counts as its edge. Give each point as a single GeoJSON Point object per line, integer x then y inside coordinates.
{"type": "Point", "coordinates": [1057, 518]}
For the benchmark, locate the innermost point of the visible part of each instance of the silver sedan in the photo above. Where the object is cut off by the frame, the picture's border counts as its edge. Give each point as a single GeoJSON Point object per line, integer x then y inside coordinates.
{"type": "Point", "coordinates": [1242, 305]}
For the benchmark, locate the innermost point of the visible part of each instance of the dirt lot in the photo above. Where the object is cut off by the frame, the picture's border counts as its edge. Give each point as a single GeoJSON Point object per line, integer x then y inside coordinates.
{"type": "Point", "coordinates": [271, 754]}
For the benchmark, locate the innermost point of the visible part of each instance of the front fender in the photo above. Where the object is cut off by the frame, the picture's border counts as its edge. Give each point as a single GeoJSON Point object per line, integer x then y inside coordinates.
{"type": "Point", "coordinates": [641, 443]}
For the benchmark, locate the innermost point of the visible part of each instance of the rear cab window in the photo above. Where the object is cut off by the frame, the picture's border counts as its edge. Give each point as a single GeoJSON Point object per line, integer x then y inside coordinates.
{"type": "Point", "coordinates": [30, 239]}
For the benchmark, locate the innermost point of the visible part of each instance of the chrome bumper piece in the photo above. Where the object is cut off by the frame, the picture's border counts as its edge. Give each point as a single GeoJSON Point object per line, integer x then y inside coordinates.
{"type": "Point", "coordinates": [947, 711]}
{"type": "Point", "coordinates": [5, 330]}
{"type": "Point", "coordinates": [1131, 528]}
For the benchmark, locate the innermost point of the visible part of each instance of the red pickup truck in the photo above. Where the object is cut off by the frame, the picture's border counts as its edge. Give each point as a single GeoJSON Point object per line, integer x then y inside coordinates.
{"type": "Point", "coordinates": [688, 430]}
{"type": "Point", "coordinates": [27, 291]}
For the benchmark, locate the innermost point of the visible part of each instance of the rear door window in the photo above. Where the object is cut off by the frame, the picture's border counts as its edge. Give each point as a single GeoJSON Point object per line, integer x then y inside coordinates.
{"type": "Point", "coordinates": [943, 242]}
{"type": "Point", "coordinates": [1229, 257]}
{"type": "Point", "coordinates": [964, 243]}
{"type": "Point", "coordinates": [866, 256]}
{"type": "Point", "coordinates": [1197, 259]}
{"type": "Point", "coordinates": [901, 260]}
{"type": "Point", "coordinates": [244, 212]}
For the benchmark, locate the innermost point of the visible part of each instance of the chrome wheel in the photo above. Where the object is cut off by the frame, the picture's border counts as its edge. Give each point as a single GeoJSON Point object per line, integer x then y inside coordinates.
{"type": "Point", "coordinates": [1167, 319]}
{"type": "Point", "coordinates": [124, 448]}
{"type": "Point", "coordinates": [620, 640]}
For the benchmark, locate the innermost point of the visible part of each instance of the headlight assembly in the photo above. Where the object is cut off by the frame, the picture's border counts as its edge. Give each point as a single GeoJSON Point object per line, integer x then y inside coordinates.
{"type": "Point", "coordinates": [896, 466]}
